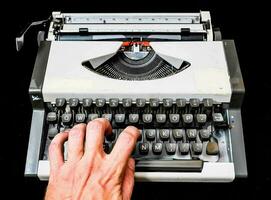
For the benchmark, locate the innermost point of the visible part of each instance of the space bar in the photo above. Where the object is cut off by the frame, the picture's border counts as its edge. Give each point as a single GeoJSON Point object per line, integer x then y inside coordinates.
{"type": "Point", "coordinates": [169, 166]}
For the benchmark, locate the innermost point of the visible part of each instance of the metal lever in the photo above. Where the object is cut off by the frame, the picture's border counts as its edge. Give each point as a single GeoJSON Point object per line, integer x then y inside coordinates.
{"type": "Point", "coordinates": [20, 40]}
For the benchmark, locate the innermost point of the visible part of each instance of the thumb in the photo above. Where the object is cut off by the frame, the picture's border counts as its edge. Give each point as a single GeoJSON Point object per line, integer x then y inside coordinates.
{"type": "Point", "coordinates": [128, 180]}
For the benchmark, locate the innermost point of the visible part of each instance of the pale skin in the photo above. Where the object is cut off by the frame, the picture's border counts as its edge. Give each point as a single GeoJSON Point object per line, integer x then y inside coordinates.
{"type": "Point", "coordinates": [89, 173]}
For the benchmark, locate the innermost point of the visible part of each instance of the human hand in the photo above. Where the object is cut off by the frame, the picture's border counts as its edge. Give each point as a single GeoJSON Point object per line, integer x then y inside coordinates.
{"type": "Point", "coordinates": [90, 173]}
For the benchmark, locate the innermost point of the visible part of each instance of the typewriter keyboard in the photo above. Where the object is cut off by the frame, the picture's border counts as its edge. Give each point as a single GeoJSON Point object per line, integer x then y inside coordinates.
{"type": "Point", "coordinates": [190, 130]}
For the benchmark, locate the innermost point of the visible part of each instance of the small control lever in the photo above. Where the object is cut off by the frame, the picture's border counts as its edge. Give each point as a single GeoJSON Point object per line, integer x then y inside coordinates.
{"type": "Point", "coordinates": [20, 39]}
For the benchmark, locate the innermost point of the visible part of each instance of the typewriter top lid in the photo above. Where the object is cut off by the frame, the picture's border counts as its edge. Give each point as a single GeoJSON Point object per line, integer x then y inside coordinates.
{"type": "Point", "coordinates": [206, 77]}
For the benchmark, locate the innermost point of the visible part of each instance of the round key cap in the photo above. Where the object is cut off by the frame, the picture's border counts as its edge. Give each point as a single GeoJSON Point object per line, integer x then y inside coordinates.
{"type": "Point", "coordinates": [100, 102]}
{"type": "Point", "coordinates": [61, 103]}
{"type": "Point", "coordinates": [178, 134]}
{"type": "Point", "coordinates": [187, 118]}
{"type": "Point", "coordinates": [184, 148]}
{"type": "Point", "coordinates": [167, 103]}
{"type": "Point", "coordinates": [181, 103]}
{"type": "Point", "coordinates": [51, 117]}
{"type": "Point", "coordinates": [191, 134]}
{"type": "Point", "coordinates": [73, 102]}
{"type": "Point", "coordinates": [212, 148]}
{"type": "Point", "coordinates": [150, 134]}
{"type": "Point", "coordinates": [80, 118]}
{"type": "Point", "coordinates": [133, 118]}
{"type": "Point", "coordinates": [161, 118]}
{"type": "Point", "coordinates": [205, 134]}
{"type": "Point", "coordinates": [170, 148]}
{"type": "Point", "coordinates": [147, 118]}
{"type": "Point", "coordinates": [197, 147]}
{"type": "Point", "coordinates": [140, 102]}
{"type": "Point", "coordinates": [154, 103]}
{"type": "Point", "coordinates": [157, 148]}
{"type": "Point", "coordinates": [66, 119]}
{"type": "Point", "coordinates": [194, 103]}
{"type": "Point", "coordinates": [127, 102]}
{"type": "Point", "coordinates": [87, 102]}
{"type": "Point", "coordinates": [174, 118]}
{"type": "Point", "coordinates": [113, 103]}
{"type": "Point", "coordinates": [143, 148]}
{"type": "Point", "coordinates": [164, 134]}
{"type": "Point", "coordinates": [92, 116]}
{"type": "Point", "coordinates": [208, 103]}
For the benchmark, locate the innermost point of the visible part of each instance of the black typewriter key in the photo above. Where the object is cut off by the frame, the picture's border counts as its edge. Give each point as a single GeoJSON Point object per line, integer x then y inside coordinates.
{"type": "Point", "coordinates": [184, 148]}
{"type": "Point", "coordinates": [212, 148]}
{"type": "Point", "coordinates": [140, 103]}
{"type": "Point", "coordinates": [174, 118]}
{"type": "Point", "coordinates": [218, 118]}
{"type": "Point", "coordinates": [164, 134]}
{"type": "Point", "coordinates": [107, 116]}
{"type": "Point", "coordinates": [167, 103]}
{"type": "Point", "coordinates": [191, 134]}
{"type": "Point", "coordinates": [154, 103]}
{"type": "Point", "coordinates": [201, 118]}
{"type": "Point", "coordinates": [204, 134]}
{"type": "Point", "coordinates": [143, 148]}
{"type": "Point", "coordinates": [157, 148]}
{"type": "Point", "coordinates": [161, 118]}
{"type": "Point", "coordinates": [207, 103]}
{"type": "Point", "coordinates": [100, 102]}
{"type": "Point", "coordinates": [197, 148]}
{"type": "Point", "coordinates": [181, 103]}
{"type": "Point", "coordinates": [194, 103]}
{"type": "Point", "coordinates": [51, 118]}
{"type": "Point", "coordinates": [187, 118]}
{"type": "Point", "coordinates": [92, 116]}
{"type": "Point", "coordinates": [119, 118]}
{"type": "Point", "coordinates": [73, 103]}
{"type": "Point", "coordinates": [150, 134]}
{"type": "Point", "coordinates": [66, 119]}
{"type": "Point", "coordinates": [113, 103]}
{"type": "Point", "coordinates": [80, 118]}
{"type": "Point", "coordinates": [86, 102]}
{"type": "Point", "coordinates": [127, 102]}
{"type": "Point", "coordinates": [133, 118]}
{"type": "Point", "coordinates": [178, 134]}
{"type": "Point", "coordinates": [171, 148]}
{"type": "Point", "coordinates": [147, 118]}
{"type": "Point", "coordinates": [61, 103]}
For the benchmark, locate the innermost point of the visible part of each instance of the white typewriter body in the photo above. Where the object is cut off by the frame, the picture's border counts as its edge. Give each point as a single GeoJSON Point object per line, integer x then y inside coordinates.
{"type": "Point", "coordinates": [96, 38]}
{"type": "Point", "coordinates": [207, 77]}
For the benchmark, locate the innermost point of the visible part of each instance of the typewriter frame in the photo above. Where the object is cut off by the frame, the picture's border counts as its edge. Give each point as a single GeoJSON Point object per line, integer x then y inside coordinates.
{"type": "Point", "coordinates": [37, 133]}
{"type": "Point", "coordinates": [194, 24]}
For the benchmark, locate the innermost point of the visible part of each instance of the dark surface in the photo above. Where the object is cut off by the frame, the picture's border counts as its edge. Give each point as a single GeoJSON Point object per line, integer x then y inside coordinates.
{"type": "Point", "coordinates": [241, 22]}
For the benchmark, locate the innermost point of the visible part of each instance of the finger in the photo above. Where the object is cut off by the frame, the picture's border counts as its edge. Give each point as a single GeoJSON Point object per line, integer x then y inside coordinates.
{"type": "Point", "coordinates": [96, 130]}
{"type": "Point", "coordinates": [76, 142]}
{"type": "Point", "coordinates": [124, 146]}
{"type": "Point", "coordinates": [56, 156]}
{"type": "Point", "coordinates": [128, 180]}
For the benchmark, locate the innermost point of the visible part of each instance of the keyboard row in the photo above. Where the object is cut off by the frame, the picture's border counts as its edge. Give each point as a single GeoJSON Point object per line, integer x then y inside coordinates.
{"type": "Point", "coordinates": [163, 135]}
{"type": "Point", "coordinates": [183, 148]}
{"type": "Point", "coordinates": [74, 103]}
{"type": "Point", "coordinates": [68, 118]}
{"type": "Point", "coordinates": [169, 142]}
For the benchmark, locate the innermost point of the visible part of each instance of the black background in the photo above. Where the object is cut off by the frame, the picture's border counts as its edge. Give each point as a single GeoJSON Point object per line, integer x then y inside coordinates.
{"type": "Point", "coordinates": [246, 23]}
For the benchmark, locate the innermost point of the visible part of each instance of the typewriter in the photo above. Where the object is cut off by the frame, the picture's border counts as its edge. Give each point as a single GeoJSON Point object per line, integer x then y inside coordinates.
{"type": "Point", "coordinates": [169, 74]}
